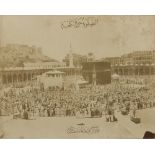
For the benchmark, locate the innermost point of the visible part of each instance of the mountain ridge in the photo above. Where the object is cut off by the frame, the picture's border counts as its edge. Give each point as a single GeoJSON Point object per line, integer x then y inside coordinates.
{"type": "Point", "coordinates": [15, 55]}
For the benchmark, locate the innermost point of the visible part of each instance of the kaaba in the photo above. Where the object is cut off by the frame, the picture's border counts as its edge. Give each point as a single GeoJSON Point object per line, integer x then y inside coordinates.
{"type": "Point", "coordinates": [97, 72]}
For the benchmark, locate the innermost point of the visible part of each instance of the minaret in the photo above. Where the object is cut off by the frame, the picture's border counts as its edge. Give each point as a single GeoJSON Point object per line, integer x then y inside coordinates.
{"type": "Point", "coordinates": [94, 75]}
{"type": "Point", "coordinates": [70, 57]}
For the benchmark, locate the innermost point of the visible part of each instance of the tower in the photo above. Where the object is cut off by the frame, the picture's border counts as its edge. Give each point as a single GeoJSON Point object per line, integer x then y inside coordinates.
{"type": "Point", "coordinates": [94, 75]}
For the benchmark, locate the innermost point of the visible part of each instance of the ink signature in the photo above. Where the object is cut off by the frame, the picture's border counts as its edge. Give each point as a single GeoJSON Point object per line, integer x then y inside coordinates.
{"type": "Point", "coordinates": [83, 129]}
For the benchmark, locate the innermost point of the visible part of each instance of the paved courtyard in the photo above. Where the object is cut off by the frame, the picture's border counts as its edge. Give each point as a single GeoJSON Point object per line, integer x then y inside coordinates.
{"type": "Point", "coordinates": [70, 127]}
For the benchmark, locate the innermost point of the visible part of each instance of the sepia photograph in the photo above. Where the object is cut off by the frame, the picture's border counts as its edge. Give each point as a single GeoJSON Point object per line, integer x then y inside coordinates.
{"type": "Point", "coordinates": [77, 76]}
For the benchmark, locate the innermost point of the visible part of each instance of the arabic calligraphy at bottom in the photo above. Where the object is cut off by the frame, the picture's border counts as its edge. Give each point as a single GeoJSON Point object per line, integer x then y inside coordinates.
{"type": "Point", "coordinates": [83, 129]}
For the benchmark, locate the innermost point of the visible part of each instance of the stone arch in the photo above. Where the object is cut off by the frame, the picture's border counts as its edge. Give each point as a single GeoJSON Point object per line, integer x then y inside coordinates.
{"type": "Point", "coordinates": [147, 70]}
{"type": "Point", "coordinates": [136, 71]}
{"type": "Point", "coordinates": [9, 78]}
{"type": "Point", "coordinates": [25, 76]}
{"type": "Point", "coordinates": [130, 71]}
{"type": "Point", "coordinates": [120, 71]}
{"type": "Point", "coordinates": [4, 81]}
{"type": "Point", "coordinates": [151, 70]}
{"type": "Point", "coordinates": [32, 75]}
{"type": "Point", "coordinates": [20, 78]}
{"type": "Point", "coordinates": [14, 78]}
{"type": "Point", "coordinates": [115, 71]}
{"type": "Point", "coordinates": [125, 71]}
{"type": "Point", "coordinates": [29, 76]}
{"type": "Point", "coordinates": [141, 71]}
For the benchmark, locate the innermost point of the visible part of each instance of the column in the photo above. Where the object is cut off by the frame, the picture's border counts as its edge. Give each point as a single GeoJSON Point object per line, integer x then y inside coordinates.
{"type": "Point", "coordinates": [138, 70]}
{"type": "Point", "coordinates": [123, 71]}
{"type": "Point", "coordinates": [149, 70]}
{"type": "Point", "coordinates": [144, 70]}
{"type": "Point", "coordinates": [11, 78]}
{"type": "Point", "coordinates": [6, 78]}
{"type": "Point", "coordinates": [27, 77]}
{"type": "Point", "coordinates": [94, 75]}
{"type": "Point", "coordinates": [0, 78]}
{"type": "Point", "coordinates": [17, 78]}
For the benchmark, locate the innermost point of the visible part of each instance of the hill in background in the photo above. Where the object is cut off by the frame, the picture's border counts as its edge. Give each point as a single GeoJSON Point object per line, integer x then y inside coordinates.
{"type": "Point", "coordinates": [15, 55]}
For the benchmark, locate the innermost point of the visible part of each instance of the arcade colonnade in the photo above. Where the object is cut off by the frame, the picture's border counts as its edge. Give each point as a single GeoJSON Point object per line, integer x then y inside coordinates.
{"type": "Point", "coordinates": [18, 76]}
{"type": "Point", "coordinates": [134, 70]}
{"type": "Point", "coordinates": [70, 71]}
{"type": "Point", "coordinates": [11, 76]}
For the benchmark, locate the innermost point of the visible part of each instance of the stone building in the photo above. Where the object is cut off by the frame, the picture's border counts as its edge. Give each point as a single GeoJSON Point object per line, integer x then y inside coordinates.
{"type": "Point", "coordinates": [77, 59]}
{"type": "Point", "coordinates": [12, 75]}
{"type": "Point", "coordinates": [135, 63]}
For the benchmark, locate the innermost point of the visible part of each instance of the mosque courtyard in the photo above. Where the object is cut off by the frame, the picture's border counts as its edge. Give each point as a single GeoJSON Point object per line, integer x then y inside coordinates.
{"type": "Point", "coordinates": [72, 127]}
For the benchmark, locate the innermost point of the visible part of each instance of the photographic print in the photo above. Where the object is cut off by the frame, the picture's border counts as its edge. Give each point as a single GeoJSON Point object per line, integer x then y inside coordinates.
{"type": "Point", "coordinates": [77, 77]}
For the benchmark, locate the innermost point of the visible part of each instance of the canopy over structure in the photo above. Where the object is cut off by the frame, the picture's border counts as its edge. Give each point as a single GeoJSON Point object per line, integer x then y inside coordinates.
{"type": "Point", "coordinates": [54, 72]}
{"type": "Point", "coordinates": [81, 81]}
{"type": "Point", "coordinates": [51, 79]}
{"type": "Point", "coordinates": [115, 77]}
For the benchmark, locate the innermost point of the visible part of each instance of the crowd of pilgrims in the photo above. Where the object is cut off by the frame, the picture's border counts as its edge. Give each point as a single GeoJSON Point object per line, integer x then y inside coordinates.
{"type": "Point", "coordinates": [87, 102]}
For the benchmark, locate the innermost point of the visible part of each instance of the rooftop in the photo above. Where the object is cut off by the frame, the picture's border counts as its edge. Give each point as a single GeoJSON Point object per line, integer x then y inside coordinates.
{"type": "Point", "coordinates": [54, 72]}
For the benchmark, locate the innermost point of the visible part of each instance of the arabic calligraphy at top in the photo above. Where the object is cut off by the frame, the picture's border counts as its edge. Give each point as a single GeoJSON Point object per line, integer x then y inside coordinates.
{"type": "Point", "coordinates": [79, 22]}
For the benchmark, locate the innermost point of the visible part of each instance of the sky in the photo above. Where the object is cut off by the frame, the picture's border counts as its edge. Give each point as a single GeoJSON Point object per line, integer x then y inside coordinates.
{"type": "Point", "coordinates": [111, 36]}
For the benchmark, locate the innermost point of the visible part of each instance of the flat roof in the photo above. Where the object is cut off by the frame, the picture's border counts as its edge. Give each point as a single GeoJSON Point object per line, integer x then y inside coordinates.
{"type": "Point", "coordinates": [54, 72]}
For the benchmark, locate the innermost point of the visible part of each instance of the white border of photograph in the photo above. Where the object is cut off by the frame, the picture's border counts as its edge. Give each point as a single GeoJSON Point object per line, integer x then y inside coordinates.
{"type": "Point", "coordinates": [80, 7]}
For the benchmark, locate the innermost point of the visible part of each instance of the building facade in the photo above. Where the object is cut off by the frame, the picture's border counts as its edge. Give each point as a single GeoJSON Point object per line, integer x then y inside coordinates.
{"type": "Point", "coordinates": [12, 75]}
{"type": "Point", "coordinates": [51, 79]}
{"type": "Point", "coordinates": [44, 65]}
{"type": "Point", "coordinates": [137, 63]}
{"type": "Point", "coordinates": [78, 59]}
{"type": "Point", "coordinates": [18, 75]}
